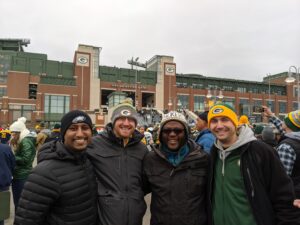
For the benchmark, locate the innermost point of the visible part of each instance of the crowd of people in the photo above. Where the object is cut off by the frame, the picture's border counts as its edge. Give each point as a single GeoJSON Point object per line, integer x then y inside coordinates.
{"type": "Point", "coordinates": [231, 172]}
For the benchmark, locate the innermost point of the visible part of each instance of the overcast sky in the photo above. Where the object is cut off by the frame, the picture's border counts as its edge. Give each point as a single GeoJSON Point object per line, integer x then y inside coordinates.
{"type": "Point", "coordinates": [220, 38]}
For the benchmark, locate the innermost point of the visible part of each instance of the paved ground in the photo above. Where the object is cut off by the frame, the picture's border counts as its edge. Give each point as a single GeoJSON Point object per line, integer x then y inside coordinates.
{"type": "Point", "coordinates": [146, 217]}
{"type": "Point", "coordinates": [12, 209]}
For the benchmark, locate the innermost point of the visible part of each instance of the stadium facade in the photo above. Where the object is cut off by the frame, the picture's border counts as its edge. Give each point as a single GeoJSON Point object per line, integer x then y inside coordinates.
{"type": "Point", "coordinates": [41, 89]}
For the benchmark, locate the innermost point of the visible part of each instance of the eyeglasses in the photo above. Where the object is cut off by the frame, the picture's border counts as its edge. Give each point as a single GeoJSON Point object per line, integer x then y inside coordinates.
{"type": "Point", "coordinates": [175, 130]}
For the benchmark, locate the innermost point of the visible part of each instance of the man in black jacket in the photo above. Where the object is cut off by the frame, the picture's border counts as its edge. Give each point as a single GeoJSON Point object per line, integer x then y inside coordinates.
{"type": "Point", "coordinates": [61, 189]}
{"type": "Point", "coordinates": [248, 183]}
{"type": "Point", "coordinates": [176, 174]}
{"type": "Point", "coordinates": [117, 155]}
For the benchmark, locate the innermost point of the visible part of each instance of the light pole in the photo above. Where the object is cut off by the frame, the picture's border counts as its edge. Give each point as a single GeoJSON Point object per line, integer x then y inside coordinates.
{"type": "Point", "coordinates": [179, 105]}
{"type": "Point", "coordinates": [220, 96]}
{"type": "Point", "coordinates": [268, 76]}
{"type": "Point", "coordinates": [136, 84]}
{"type": "Point", "coordinates": [291, 79]}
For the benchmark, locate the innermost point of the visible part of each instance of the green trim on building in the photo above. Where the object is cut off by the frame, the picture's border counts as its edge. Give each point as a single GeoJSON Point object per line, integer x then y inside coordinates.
{"type": "Point", "coordinates": [51, 72]}
{"type": "Point", "coordinates": [113, 74]}
{"type": "Point", "coordinates": [201, 82]}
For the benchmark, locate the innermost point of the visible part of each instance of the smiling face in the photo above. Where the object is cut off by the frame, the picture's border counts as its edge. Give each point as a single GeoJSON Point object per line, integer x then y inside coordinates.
{"type": "Point", "coordinates": [173, 135]}
{"type": "Point", "coordinates": [78, 136]}
{"type": "Point", "coordinates": [124, 127]}
{"type": "Point", "coordinates": [224, 130]}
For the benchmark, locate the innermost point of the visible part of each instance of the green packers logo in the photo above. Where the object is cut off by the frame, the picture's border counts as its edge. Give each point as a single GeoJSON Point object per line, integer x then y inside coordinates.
{"type": "Point", "coordinates": [125, 112]}
{"type": "Point", "coordinates": [217, 110]}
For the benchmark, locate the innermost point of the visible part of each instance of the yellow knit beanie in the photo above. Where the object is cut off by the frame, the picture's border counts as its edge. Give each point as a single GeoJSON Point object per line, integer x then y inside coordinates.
{"type": "Point", "coordinates": [223, 110]}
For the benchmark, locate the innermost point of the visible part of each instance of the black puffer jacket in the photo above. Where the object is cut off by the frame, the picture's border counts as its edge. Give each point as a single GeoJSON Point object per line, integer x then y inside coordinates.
{"type": "Point", "coordinates": [119, 176]}
{"type": "Point", "coordinates": [178, 193]}
{"type": "Point", "coordinates": [60, 190]}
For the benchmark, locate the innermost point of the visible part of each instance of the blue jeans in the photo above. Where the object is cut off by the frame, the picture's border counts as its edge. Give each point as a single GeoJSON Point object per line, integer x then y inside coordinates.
{"type": "Point", "coordinates": [2, 222]}
{"type": "Point", "coordinates": [17, 187]}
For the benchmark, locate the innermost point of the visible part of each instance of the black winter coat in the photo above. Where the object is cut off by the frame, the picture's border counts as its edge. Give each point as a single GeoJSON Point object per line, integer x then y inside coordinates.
{"type": "Point", "coordinates": [60, 190]}
{"type": "Point", "coordinates": [178, 193]}
{"type": "Point", "coordinates": [269, 189]}
{"type": "Point", "coordinates": [119, 176]}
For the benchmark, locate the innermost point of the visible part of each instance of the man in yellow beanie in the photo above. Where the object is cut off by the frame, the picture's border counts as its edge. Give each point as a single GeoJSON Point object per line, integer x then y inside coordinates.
{"type": "Point", "coordinates": [248, 183]}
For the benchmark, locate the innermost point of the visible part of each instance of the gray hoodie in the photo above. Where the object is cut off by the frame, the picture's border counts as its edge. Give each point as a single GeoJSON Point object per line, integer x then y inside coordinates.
{"type": "Point", "coordinates": [245, 135]}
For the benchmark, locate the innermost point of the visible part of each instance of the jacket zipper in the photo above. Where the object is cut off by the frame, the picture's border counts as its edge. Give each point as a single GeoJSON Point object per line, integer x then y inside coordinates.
{"type": "Point", "coordinates": [250, 179]}
{"type": "Point", "coordinates": [126, 183]}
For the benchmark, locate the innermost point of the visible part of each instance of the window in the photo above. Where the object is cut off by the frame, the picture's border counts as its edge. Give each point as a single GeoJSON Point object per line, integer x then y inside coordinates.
{"type": "Point", "coordinates": [271, 105]}
{"type": "Point", "coordinates": [244, 107]}
{"type": "Point", "coordinates": [229, 101]}
{"type": "Point", "coordinates": [295, 91]}
{"type": "Point", "coordinates": [257, 102]}
{"type": "Point", "coordinates": [21, 110]}
{"type": "Point", "coordinates": [295, 106]}
{"type": "Point", "coordinates": [242, 89]}
{"type": "Point", "coordinates": [254, 90]}
{"type": "Point", "coordinates": [3, 91]}
{"type": "Point", "coordinates": [228, 88]}
{"type": "Point", "coordinates": [184, 100]}
{"type": "Point", "coordinates": [199, 103]}
{"type": "Point", "coordinates": [32, 91]}
{"type": "Point", "coordinates": [57, 104]}
{"type": "Point", "coordinates": [3, 78]}
{"type": "Point", "coordinates": [282, 107]}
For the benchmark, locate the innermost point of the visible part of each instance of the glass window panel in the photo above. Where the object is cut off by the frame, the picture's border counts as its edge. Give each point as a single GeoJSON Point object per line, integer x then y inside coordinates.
{"type": "Point", "coordinates": [244, 107]}
{"type": "Point", "coordinates": [199, 103]}
{"type": "Point", "coordinates": [282, 107]}
{"type": "Point", "coordinates": [271, 105]}
{"type": "Point", "coordinates": [57, 104]}
{"type": "Point", "coordinates": [229, 101]}
{"type": "Point", "coordinates": [16, 114]}
{"type": "Point", "coordinates": [184, 100]}
{"type": "Point", "coordinates": [295, 106]}
{"type": "Point", "coordinates": [257, 102]}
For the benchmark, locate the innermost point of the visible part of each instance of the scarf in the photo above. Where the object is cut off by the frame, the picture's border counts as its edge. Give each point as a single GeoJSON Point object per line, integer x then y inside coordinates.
{"type": "Point", "coordinates": [175, 158]}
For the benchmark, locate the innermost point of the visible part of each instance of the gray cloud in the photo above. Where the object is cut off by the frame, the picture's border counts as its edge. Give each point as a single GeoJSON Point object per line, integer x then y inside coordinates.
{"type": "Point", "coordinates": [234, 38]}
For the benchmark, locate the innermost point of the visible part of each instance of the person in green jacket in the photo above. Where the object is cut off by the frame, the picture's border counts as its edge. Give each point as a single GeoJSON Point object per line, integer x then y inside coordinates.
{"type": "Point", "coordinates": [248, 183]}
{"type": "Point", "coordinates": [23, 144]}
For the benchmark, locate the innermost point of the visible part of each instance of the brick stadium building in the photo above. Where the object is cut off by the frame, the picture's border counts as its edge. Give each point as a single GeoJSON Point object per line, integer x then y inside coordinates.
{"type": "Point", "coordinates": [41, 89]}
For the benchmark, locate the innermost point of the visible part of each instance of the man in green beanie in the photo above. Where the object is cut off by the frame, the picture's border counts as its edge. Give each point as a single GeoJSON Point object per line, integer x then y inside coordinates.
{"type": "Point", "coordinates": [289, 146]}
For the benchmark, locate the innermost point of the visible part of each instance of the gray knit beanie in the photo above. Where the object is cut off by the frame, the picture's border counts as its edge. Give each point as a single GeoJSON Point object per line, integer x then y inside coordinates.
{"type": "Point", "coordinates": [125, 109]}
{"type": "Point", "coordinates": [174, 116]}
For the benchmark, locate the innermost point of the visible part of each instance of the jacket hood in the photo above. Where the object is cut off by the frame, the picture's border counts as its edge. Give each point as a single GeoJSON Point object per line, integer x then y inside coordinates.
{"type": "Point", "coordinates": [245, 135]}
{"type": "Point", "coordinates": [109, 134]}
{"type": "Point", "coordinates": [56, 150]}
{"type": "Point", "coordinates": [293, 135]}
{"type": "Point", "coordinates": [24, 134]}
